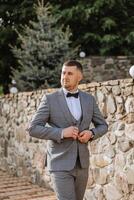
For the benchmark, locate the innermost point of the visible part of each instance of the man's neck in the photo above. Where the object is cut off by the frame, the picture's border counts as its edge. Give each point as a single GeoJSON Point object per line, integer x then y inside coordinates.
{"type": "Point", "coordinates": [71, 91]}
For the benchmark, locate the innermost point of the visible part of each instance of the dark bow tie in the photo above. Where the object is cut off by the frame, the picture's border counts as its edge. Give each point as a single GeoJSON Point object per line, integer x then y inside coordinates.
{"type": "Point", "coordinates": [72, 94]}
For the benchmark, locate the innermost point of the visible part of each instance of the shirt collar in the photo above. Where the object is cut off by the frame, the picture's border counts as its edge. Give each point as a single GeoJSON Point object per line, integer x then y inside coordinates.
{"type": "Point", "coordinates": [66, 91]}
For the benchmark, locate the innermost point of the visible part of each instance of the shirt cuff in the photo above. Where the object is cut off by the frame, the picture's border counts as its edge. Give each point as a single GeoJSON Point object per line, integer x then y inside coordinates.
{"type": "Point", "coordinates": [62, 135]}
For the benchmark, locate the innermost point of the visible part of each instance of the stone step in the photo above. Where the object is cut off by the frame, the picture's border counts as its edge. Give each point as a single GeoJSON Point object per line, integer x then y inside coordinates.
{"type": "Point", "coordinates": [20, 188]}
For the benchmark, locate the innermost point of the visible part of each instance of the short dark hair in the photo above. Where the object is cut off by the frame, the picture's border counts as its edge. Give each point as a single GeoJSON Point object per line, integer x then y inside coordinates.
{"type": "Point", "coordinates": [74, 63]}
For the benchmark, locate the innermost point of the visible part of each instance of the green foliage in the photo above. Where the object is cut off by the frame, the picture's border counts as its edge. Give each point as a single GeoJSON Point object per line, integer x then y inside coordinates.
{"type": "Point", "coordinates": [13, 13]}
{"type": "Point", "coordinates": [44, 48]}
{"type": "Point", "coordinates": [97, 24]}
{"type": "Point", "coordinates": [109, 42]}
{"type": "Point", "coordinates": [130, 37]}
{"type": "Point", "coordinates": [1, 90]}
{"type": "Point", "coordinates": [108, 24]}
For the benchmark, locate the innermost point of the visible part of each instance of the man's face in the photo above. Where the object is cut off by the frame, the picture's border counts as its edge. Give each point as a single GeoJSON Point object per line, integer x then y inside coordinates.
{"type": "Point", "coordinates": [70, 77]}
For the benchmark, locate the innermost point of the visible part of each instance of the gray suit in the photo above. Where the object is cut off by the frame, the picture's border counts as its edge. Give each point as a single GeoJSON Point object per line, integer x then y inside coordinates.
{"type": "Point", "coordinates": [62, 153]}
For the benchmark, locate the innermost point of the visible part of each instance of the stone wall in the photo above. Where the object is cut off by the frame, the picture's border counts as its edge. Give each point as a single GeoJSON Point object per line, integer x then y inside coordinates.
{"type": "Point", "coordinates": [99, 68]}
{"type": "Point", "coordinates": [111, 170]}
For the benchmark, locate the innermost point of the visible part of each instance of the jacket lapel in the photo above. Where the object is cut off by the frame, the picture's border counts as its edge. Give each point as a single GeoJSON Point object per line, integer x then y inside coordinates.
{"type": "Point", "coordinates": [84, 104]}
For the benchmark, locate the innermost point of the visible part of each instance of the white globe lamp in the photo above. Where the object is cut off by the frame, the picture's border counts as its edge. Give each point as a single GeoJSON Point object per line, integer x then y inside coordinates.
{"type": "Point", "coordinates": [13, 88]}
{"type": "Point", "coordinates": [131, 71]}
{"type": "Point", "coordinates": [82, 54]}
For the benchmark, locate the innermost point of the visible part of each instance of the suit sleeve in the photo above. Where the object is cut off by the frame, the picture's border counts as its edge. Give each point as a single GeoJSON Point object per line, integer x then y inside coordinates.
{"type": "Point", "coordinates": [100, 125]}
{"type": "Point", "coordinates": [38, 126]}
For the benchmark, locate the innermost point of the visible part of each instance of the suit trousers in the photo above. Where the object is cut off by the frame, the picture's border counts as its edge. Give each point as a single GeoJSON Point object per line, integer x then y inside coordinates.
{"type": "Point", "coordinates": [70, 185]}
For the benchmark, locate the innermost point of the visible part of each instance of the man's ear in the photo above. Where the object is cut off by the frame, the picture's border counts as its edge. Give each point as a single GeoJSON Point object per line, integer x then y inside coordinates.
{"type": "Point", "coordinates": [80, 76]}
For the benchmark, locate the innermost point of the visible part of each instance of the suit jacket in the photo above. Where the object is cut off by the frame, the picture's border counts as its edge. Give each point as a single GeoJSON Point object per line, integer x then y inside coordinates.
{"type": "Point", "coordinates": [53, 110]}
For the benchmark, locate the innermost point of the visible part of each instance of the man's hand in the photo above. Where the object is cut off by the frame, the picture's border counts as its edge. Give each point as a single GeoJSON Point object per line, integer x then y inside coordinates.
{"type": "Point", "coordinates": [71, 132]}
{"type": "Point", "coordinates": [85, 136]}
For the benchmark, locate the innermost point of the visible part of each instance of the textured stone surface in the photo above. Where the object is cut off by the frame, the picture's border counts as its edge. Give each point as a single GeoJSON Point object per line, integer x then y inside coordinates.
{"type": "Point", "coordinates": [111, 192]}
{"type": "Point", "coordinates": [100, 161]}
{"type": "Point", "coordinates": [120, 161]}
{"type": "Point", "coordinates": [111, 106]}
{"type": "Point", "coordinates": [129, 171]}
{"type": "Point", "coordinates": [107, 68]}
{"type": "Point", "coordinates": [121, 182]}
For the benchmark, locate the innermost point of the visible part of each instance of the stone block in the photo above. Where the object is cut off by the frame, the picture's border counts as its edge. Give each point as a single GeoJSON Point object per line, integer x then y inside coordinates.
{"type": "Point", "coordinates": [129, 172]}
{"type": "Point", "coordinates": [100, 176]}
{"type": "Point", "coordinates": [111, 106]}
{"type": "Point", "coordinates": [100, 161]}
{"type": "Point", "coordinates": [121, 182]}
{"type": "Point", "coordinates": [111, 192]}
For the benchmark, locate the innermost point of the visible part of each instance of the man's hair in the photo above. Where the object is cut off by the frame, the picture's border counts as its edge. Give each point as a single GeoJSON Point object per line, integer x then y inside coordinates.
{"type": "Point", "coordinates": [74, 63]}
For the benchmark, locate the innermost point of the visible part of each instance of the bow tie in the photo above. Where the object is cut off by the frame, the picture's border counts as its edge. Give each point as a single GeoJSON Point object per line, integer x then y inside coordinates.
{"type": "Point", "coordinates": [72, 94]}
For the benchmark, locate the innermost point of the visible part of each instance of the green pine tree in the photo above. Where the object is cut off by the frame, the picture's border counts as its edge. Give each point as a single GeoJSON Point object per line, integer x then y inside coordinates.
{"type": "Point", "coordinates": [13, 14]}
{"type": "Point", "coordinates": [44, 48]}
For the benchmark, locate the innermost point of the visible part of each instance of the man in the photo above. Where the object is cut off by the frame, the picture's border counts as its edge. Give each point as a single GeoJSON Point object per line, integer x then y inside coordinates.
{"type": "Point", "coordinates": [69, 113]}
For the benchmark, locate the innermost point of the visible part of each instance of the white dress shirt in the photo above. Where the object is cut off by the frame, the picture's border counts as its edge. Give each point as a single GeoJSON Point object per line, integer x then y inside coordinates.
{"type": "Point", "coordinates": [73, 105]}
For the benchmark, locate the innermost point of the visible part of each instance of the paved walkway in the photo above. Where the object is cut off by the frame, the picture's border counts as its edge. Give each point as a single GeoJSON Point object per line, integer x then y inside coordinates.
{"type": "Point", "coordinates": [18, 188]}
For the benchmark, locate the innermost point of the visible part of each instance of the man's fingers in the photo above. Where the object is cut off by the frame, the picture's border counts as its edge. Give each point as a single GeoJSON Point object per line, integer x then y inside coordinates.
{"type": "Point", "coordinates": [75, 129]}
{"type": "Point", "coordinates": [75, 132]}
{"type": "Point", "coordinates": [81, 134]}
{"type": "Point", "coordinates": [81, 140]}
{"type": "Point", "coordinates": [74, 137]}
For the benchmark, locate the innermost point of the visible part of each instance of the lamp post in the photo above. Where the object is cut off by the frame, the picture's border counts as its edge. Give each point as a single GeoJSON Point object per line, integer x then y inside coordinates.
{"type": "Point", "coordinates": [131, 71]}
